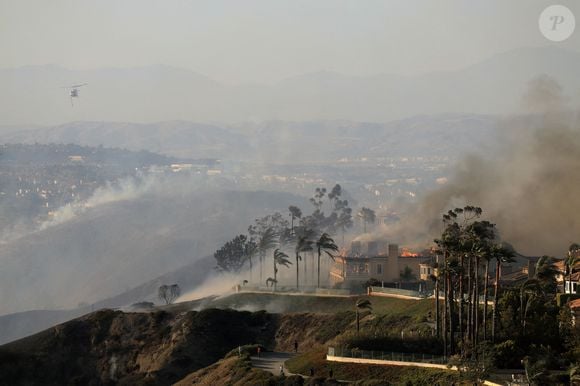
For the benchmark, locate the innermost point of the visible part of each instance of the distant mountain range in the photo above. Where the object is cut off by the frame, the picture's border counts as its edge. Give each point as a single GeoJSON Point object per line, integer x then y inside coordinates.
{"type": "Point", "coordinates": [34, 94]}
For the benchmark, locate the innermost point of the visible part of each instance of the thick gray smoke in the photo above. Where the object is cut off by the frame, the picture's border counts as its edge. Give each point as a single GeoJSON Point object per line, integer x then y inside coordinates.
{"type": "Point", "coordinates": [529, 186]}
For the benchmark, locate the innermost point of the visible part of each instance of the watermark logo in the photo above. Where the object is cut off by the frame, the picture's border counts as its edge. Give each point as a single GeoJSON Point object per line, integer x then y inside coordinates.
{"type": "Point", "coordinates": [557, 23]}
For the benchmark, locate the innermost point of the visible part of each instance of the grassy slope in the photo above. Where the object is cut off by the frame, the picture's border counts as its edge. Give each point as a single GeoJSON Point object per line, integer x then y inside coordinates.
{"type": "Point", "coordinates": [321, 304]}
{"type": "Point", "coordinates": [371, 374]}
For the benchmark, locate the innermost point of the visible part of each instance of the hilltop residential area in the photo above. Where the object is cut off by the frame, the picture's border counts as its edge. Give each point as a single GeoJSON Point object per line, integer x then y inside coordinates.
{"type": "Point", "coordinates": [289, 193]}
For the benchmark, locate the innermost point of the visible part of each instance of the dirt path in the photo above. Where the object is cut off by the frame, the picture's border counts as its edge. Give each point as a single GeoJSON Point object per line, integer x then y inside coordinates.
{"type": "Point", "coordinates": [271, 361]}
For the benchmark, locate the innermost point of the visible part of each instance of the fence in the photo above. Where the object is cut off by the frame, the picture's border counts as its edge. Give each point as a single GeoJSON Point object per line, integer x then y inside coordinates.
{"type": "Point", "coordinates": [397, 291]}
{"type": "Point", "coordinates": [386, 356]}
{"type": "Point", "coordinates": [304, 290]}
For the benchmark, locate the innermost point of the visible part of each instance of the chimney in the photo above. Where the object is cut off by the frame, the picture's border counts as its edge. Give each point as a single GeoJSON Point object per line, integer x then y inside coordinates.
{"type": "Point", "coordinates": [372, 248]}
{"type": "Point", "coordinates": [392, 271]}
{"type": "Point", "coordinates": [355, 248]}
{"type": "Point", "coordinates": [393, 251]}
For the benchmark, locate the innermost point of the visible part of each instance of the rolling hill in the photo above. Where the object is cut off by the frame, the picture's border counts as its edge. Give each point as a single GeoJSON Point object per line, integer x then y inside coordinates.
{"type": "Point", "coordinates": [161, 93]}
{"type": "Point", "coordinates": [280, 141]}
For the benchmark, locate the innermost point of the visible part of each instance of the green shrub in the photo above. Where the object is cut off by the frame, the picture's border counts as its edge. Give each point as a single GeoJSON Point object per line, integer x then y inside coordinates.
{"type": "Point", "coordinates": [390, 342]}
{"type": "Point", "coordinates": [508, 355]}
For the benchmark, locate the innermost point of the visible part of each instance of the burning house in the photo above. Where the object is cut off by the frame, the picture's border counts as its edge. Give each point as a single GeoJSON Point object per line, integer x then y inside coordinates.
{"type": "Point", "coordinates": [378, 260]}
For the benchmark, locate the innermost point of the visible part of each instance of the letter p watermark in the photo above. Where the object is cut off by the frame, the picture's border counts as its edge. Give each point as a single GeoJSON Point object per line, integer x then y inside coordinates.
{"type": "Point", "coordinates": [557, 23]}
{"type": "Point", "coordinates": [557, 20]}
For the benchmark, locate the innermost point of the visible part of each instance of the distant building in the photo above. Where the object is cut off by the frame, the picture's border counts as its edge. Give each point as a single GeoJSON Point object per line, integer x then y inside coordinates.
{"type": "Point", "coordinates": [213, 172]}
{"type": "Point", "coordinates": [426, 270]}
{"type": "Point", "coordinates": [572, 286]}
{"type": "Point", "coordinates": [376, 260]}
{"type": "Point", "coordinates": [181, 167]}
{"type": "Point", "coordinates": [76, 158]}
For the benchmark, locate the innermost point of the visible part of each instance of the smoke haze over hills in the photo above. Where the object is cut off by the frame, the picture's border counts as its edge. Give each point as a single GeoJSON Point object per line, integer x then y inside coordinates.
{"type": "Point", "coordinates": [161, 93]}
{"type": "Point", "coordinates": [119, 244]}
{"type": "Point", "coordinates": [528, 186]}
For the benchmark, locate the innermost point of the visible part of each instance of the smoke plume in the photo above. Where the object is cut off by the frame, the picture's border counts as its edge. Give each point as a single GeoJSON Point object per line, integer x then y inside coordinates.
{"type": "Point", "coordinates": [529, 186]}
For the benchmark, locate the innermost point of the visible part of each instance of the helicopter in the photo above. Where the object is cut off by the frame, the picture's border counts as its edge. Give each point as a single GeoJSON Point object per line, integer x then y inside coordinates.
{"type": "Point", "coordinates": [74, 91]}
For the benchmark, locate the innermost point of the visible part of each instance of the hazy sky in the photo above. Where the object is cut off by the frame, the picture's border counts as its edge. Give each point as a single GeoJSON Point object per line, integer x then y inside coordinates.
{"type": "Point", "coordinates": [265, 40]}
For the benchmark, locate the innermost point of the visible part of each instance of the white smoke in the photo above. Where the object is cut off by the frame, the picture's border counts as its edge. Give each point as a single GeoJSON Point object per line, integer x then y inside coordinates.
{"type": "Point", "coordinates": [122, 190]}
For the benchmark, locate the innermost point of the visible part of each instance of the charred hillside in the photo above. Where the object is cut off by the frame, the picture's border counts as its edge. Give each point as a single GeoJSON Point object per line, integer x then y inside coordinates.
{"type": "Point", "coordinates": [112, 347]}
{"type": "Point", "coordinates": [159, 348]}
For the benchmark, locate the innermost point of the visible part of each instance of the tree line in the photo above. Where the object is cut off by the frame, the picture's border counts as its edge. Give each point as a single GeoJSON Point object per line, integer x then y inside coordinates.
{"type": "Point", "coordinates": [275, 238]}
{"type": "Point", "coordinates": [524, 321]}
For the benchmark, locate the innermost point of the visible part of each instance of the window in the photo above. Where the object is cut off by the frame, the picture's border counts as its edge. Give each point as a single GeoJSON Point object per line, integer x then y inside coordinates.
{"type": "Point", "coordinates": [380, 269]}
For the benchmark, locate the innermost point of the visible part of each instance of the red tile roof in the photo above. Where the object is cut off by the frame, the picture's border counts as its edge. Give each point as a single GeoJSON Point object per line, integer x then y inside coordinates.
{"type": "Point", "coordinates": [574, 304]}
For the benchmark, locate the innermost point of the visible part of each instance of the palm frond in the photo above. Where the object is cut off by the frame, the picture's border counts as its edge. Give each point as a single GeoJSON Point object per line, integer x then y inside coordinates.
{"type": "Point", "coordinates": [364, 304]}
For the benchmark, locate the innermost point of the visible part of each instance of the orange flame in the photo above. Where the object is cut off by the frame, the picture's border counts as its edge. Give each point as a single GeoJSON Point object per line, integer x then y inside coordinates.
{"type": "Point", "coordinates": [407, 253]}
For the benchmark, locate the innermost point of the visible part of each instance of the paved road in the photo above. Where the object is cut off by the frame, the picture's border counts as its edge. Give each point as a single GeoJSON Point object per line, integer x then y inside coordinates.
{"type": "Point", "coordinates": [271, 361]}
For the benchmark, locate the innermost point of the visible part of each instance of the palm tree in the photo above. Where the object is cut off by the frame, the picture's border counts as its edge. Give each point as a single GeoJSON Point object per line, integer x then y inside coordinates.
{"type": "Point", "coordinates": [482, 234]}
{"type": "Point", "coordinates": [361, 304]}
{"type": "Point", "coordinates": [435, 279]}
{"type": "Point", "coordinates": [487, 257]}
{"type": "Point", "coordinates": [368, 217]}
{"type": "Point", "coordinates": [531, 289]}
{"type": "Point", "coordinates": [504, 253]}
{"type": "Point", "coordinates": [325, 244]}
{"type": "Point", "coordinates": [272, 282]}
{"type": "Point", "coordinates": [251, 249]}
{"type": "Point", "coordinates": [267, 241]}
{"type": "Point", "coordinates": [542, 284]}
{"type": "Point", "coordinates": [295, 213]}
{"type": "Point", "coordinates": [546, 273]}
{"type": "Point", "coordinates": [572, 262]}
{"type": "Point", "coordinates": [303, 244]}
{"type": "Point", "coordinates": [280, 258]}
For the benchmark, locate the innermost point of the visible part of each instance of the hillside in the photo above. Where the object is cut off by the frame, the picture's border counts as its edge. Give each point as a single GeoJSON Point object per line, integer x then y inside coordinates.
{"type": "Point", "coordinates": [113, 347]}
{"type": "Point", "coordinates": [281, 303]}
{"type": "Point", "coordinates": [109, 248]}
{"type": "Point", "coordinates": [292, 142]}
{"type": "Point", "coordinates": [164, 347]}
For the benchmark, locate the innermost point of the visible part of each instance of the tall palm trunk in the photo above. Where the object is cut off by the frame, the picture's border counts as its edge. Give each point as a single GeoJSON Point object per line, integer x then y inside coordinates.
{"type": "Point", "coordinates": [275, 275]}
{"type": "Point", "coordinates": [312, 271]}
{"type": "Point", "coordinates": [495, 295]}
{"type": "Point", "coordinates": [461, 296]}
{"type": "Point", "coordinates": [297, 272]}
{"type": "Point", "coordinates": [469, 301]}
{"type": "Point", "coordinates": [445, 301]}
{"type": "Point", "coordinates": [476, 307]}
{"type": "Point", "coordinates": [250, 259]}
{"type": "Point", "coordinates": [485, 284]}
{"type": "Point", "coordinates": [445, 318]}
{"type": "Point", "coordinates": [437, 317]}
{"type": "Point", "coordinates": [261, 262]}
{"type": "Point", "coordinates": [305, 278]}
{"type": "Point", "coordinates": [451, 303]}
{"type": "Point", "coordinates": [318, 282]}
